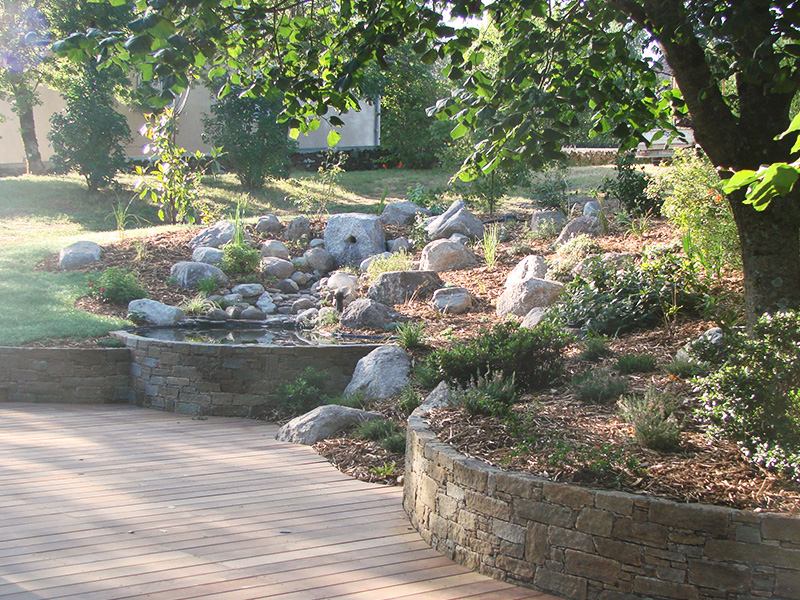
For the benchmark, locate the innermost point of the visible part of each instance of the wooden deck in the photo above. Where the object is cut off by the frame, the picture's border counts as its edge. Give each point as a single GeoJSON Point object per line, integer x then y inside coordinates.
{"type": "Point", "coordinates": [113, 502]}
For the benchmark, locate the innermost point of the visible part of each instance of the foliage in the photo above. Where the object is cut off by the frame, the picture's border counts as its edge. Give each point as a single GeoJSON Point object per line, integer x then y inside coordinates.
{"type": "Point", "coordinates": [635, 363]}
{"type": "Point", "coordinates": [197, 305]}
{"type": "Point", "coordinates": [754, 397]}
{"type": "Point", "coordinates": [422, 196]}
{"type": "Point", "coordinates": [396, 261]}
{"type": "Point", "coordinates": [683, 368]}
{"type": "Point", "coordinates": [611, 301]}
{"type": "Point", "coordinates": [630, 187]}
{"type": "Point", "coordinates": [549, 187]}
{"type": "Point", "coordinates": [594, 348]}
{"type": "Point", "coordinates": [410, 335]}
{"type": "Point", "coordinates": [570, 254]}
{"type": "Point", "coordinates": [486, 191]}
{"type": "Point", "coordinates": [384, 470]}
{"type": "Point", "coordinates": [409, 400]}
{"type": "Point", "coordinates": [598, 387]}
{"type": "Point", "coordinates": [255, 144]}
{"type": "Point", "coordinates": [116, 286]}
{"type": "Point", "coordinates": [299, 396]}
{"type": "Point", "coordinates": [533, 356]}
{"type": "Point", "coordinates": [177, 178]}
{"type": "Point", "coordinates": [240, 259]}
{"type": "Point", "coordinates": [207, 285]}
{"type": "Point", "coordinates": [695, 203]}
{"type": "Point", "coordinates": [491, 395]}
{"type": "Point", "coordinates": [376, 430]}
{"type": "Point", "coordinates": [395, 443]}
{"type": "Point", "coordinates": [491, 242]}
{"type": "Point", "coordinates": [88, 135]}
{"type": "Point", "coordinates": [419, 236]}
{"type": "Point", "coordinates": [314, 201]}
{"type": "Point", "coordinates": [653, 419]}
{"type": "Point", "coordinates": [350, 401]}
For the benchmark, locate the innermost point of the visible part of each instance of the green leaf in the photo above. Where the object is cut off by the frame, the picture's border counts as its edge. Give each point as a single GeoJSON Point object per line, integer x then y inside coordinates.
{"type": "Point", "coordinates": [333, 137]}
{"type": "Point", "coordinates": [459, 131]}
{"type": "Point", "coordinates": [739, 180]}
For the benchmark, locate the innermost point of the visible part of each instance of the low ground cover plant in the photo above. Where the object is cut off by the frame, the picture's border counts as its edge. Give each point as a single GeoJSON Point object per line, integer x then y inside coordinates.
{"type": "Point", "coordinates": [116, 286]}
{"type": "Point", "coordinates": [652, 416]}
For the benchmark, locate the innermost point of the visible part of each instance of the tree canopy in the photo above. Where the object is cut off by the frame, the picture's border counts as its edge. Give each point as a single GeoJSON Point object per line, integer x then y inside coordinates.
{"type": "Point", "coordinates": [735, 65]}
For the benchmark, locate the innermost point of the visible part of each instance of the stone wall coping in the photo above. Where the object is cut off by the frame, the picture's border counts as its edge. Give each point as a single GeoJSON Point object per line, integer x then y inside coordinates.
{"type": "Point", "coordinates": [133, 337]}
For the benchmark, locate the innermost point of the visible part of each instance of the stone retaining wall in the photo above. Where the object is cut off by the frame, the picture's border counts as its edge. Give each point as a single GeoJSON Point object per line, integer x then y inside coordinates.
{"type": "Point", "coordinates": [72, 375]}
{"type": "Point", "coordinates": [584, 544]}
{"type": "Point", "coordinates": [223, 380]}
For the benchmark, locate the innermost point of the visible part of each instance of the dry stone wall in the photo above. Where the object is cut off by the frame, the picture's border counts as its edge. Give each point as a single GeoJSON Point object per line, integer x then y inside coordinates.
{"type": "Point", "coordinates": [71, 375]}
{"type": "Point", "coordinates": [585, 544]}
{"type": "Point", "coordinates": [235, 380]}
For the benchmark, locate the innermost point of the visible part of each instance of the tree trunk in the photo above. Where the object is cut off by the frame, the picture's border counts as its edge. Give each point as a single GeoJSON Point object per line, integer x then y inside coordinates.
{"type": "Point", "coordinates": [770, 242]}
{"type": "Point", "coordinates": [27, 129]}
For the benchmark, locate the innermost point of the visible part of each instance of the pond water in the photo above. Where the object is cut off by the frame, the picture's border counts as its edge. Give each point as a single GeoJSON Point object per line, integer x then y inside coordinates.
{"type": "Point", "coordinates": [257, 336]}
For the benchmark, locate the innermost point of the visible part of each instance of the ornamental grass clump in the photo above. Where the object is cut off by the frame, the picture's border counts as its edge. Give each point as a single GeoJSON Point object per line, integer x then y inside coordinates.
{"type": "Point", "coordinates": [653, 419]}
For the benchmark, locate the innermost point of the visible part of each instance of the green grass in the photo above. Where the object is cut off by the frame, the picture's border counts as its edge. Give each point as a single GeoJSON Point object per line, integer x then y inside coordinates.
{"type": "Point", "coordinates": [40, 215]}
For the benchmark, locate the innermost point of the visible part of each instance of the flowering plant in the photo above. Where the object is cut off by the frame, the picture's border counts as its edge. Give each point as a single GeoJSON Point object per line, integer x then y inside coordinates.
{"type": "Point", "coordinates": [116, 286]}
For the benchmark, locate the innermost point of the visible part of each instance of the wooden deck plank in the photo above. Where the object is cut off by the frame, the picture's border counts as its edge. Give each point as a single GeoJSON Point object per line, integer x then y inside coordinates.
{"type": "Point", "coordinates": [115, 502]}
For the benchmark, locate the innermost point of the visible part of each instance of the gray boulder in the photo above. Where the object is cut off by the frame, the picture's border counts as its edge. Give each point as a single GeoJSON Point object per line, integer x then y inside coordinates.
{"type": "Point", "coordinates": [265, 304]}
{"type": "Point", "coordinates": [534, 317]}
{"type": "Point", "coordinates": [300, 305]}
{"type": "Point", "coordinates": [520, 298]}
{"type": "Point", "coordinates": [217, 236]}
{"type": "Point", "coordinates": [276, 267]}
{"type": "Point", "coordinates": [380, 374]}
{"type": "Point", "coordinates": [530, 267]}
{"type": "Point", "coordinates": [208, 255]}
{"type": "Point", "coordinates": [322, 423]}
{"type": "Point", "coordinates": [714, 336]}
{"type": "Point", "coordinates": [268, 224]}
{"type": "Point", "coordinates": [287, 286]}
{"type": "Point", "coordinates": [401, 244]}
{"type": "Point", "coordinates": [446, 255]}
{"type": "Point", "coordinates": [319, 259]}
{"type": "Point", "coordinates": [367, 314]}
{"type": "Point", "coordinates": [452, 300]}
{"type": "Point", "coordinates": [251, 313]}
{"type": "Point", "coordinates": [248, 290]}
{"type": "Point", "coordinates": [155, 313]}
{"type": "Point", "coordinates": [352, 237]}
{"type": "Point", "coordinates": [456, 219]}
{"type": "Point", "coordinates": [316, 243]}
{"type": "Point", "coordinates": [590, 226]}
{"type": "Point", "coordinates": [398, 287]}
{"type": "Point", "coordinates": [298, 228]}
{"type": "Point", "coordinates": [402, 213]}
{"type": "Point", "coordinates": [189, 273]}
{"type": "Point", "coordinates": [301, 278]}
{"type": "Point", "coordinates": [547, 222]}
{"type": "Point", "coordinates": [591, 208]}
{"type": "Point", "coordinates": [275, 248]}
{"type": "Point", "coordinates": [78, 255]}
{"type": "Point", "coordinates": [460, 238]}
{"type": "Point", "coordinates": [440, 397]}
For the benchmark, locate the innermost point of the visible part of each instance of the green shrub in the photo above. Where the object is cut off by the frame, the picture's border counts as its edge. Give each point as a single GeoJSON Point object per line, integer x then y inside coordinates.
{"type": "Point", "coordinates": [351, 401]}
{"type": "Point", "coordinates": [598, 387]}
{"type": "Point", "coordinates": [240, 259]}
{"type": "Point", "coordinates": [376, 430]}
{"type": "Point", "coordinates": [409, 400]}
{"type": "Point", "coordinates": [635, 363]}
{"type": "Point", "coordinates": [409, 335]}
{"type": "Point", "coordinates": [549, 187]}
{"type": "Point", "coordinates": [422, 196]}
{"type": "Point", "coordinates": [594, 348]}
{"type": "Point", "coordinates": [207, 285]}
{"type": "Point", "coordinates": [683, 368]}
{"type": "Point", "coordinates": [492, 395]}
{"type": "Point", "coordinates": [256, 145]}
{"type": "Point", "coordinates": [395, 443]}
{"type": "Point", "coordinates": [533, 356]}
{"type": "Point", "coordinates": [609, 301]}
{"type": "Point", "coordinates": [299, 396]}
{"type": "Point", "coordinates": [397, 261]}
{"type": "Point", "coordinates": [653, 420]}
{"type": "Point", "coordinates": [753, 399]}
{"type": "Point", "coordinates": [630, 187]}
{"type": "Point", "coordinates": [116, 286]}
{"type": "Point", "coordinates": [88, 135]}
{"type": "Point", "coordinates": [695, 203]}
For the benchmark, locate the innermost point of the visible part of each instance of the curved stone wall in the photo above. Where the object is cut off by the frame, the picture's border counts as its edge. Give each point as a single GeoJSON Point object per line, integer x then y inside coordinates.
{"type": "Point", "coordinates": [228, 380]}
{"type": "Point", "coordinates": [585, 544]}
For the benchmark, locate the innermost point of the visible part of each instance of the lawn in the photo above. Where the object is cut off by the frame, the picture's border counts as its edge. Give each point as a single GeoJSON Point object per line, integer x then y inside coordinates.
{"type": "Point", "coordinates": [40, 215]}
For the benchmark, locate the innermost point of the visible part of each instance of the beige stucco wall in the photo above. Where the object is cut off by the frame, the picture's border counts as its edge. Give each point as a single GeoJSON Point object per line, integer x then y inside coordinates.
{"type": "Point", "coordinates": [359, 130]}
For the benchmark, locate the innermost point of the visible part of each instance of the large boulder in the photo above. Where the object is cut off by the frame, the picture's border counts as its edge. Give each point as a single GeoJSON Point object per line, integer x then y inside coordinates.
{"type": "Point", "coordinates": [319, 259]}
{"type": "Point", "coordinates": [398, 287]}
{"type": "Point", "coordinates": [275, 248]}
{"type": "Point", "coordinates": [248, 290]}
{"type": "Point", "coordinates": [321, 423]}
{"type": "Point", "coordinates": [456, 219]}
{"type": "Point", "coordinates": [268, 224]}
{"type": "Point", "coordinates": [187, 273]}
{"type": "Point", "coordinates": [298, 228]}
{"type": "Point", "coordinates": [530, 267]}
{"type": "Point", "coordinates": [402, 213]}
{"type": "Point", "coordinates": [545, 223]}
{"type": "Point", "coordinates": [367, 314]}
{"type": "Point", "coordinates": [446, 255]}
{"type": "Point", "coordinates": [154, 312]}
{"type": "Point", "coordinates": [590, 226]}
{"type": "Point", "coordinates": [380, 374]}
{"type": "Point", "coordinates": [276, 267]}
{"type": "Point", "coordinates": [217, 236]}
{"type": "Point", "coordinates": [208, 255]}
{"type": "Point", "coordinates": [520, 298]}
{"type": "Point", "coordinates": [452, 300]}
{"type": "Point", "coordinates": [535, 316]}
{"type": "Point", "coordinates": [78, 255]}
{"type": "Point", "coordinates": [352, 237]}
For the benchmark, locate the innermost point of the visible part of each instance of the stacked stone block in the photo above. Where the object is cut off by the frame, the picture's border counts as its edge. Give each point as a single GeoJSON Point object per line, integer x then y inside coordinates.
{"type": "Point", "coordinates": [586, 544]}
{"type": "Point", "coordinates": [236, 380]}
{"type": "Point", "coordinates": [69, 375]}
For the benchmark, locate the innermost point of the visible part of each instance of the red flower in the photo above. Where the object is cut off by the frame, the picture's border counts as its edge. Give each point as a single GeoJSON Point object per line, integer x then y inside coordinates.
{"type": "Point", "coordinates": [91, 283]}
{"type": "Point", "coordinates": [102, 289]}
{"type": "Point", "coordinates": [384, 165]}
{"type": "Point", "coordinates": [400, 165]}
